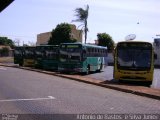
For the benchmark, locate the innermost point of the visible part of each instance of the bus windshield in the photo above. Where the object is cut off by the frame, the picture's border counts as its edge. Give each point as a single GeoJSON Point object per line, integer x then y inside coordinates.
{"type": "Point", "coordinates": [50, 54]}
{"type": "Point", "coordinates": [29, 54]}
{"type": "Point", "coordinates": [134, 58]}
{"type": "Point", "coordinates": [17, 53]}
{"type": "Point", "coordinates": [39, 53]}
{"type": "Point", "coordinates": [70, 53]}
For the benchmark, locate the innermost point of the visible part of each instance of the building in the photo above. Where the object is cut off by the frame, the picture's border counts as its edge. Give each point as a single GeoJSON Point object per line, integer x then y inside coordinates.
{"type": "Point", "coordinates": [76, 34]}
{"type": "Point", "coordinates": [42, 38]}
{"type": "Point", "coordinates": [6, 51]}
{"type": "Point", "coordinates": [156, 45]}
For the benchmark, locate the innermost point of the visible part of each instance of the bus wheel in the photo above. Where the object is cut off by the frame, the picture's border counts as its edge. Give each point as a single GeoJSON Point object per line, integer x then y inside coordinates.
{"type": "Point", "coordinates": [20, 64]}
{"type": "Point", "coordinates": [100, 68]}
{"type": "Point", "coordinates": [88, 70]}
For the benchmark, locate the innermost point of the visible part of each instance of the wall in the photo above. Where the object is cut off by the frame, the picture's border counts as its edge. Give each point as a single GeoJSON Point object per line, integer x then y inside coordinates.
{"type": "Point", "coordinates": [43, 38]}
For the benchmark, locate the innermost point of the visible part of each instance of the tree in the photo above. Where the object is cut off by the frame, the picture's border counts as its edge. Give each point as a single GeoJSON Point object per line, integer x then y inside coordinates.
{"type": "Point", "coordinates": [6, 41]}
{"type": "Point", "coordinates": [82, 16]}
{"type": "Point", "coordinates": [4, 51]}
{"type": "Point", "coordinates": [105, 40]}
{"type": "Point", "coordinates": [61, 34]}
{"type": "Point", "coordinates": [30, 43]}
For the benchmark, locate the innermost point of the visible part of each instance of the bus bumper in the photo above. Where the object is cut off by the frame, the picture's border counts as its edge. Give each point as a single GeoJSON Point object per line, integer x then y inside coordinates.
{"type": "Point", "coordinates": [134, 76]}
{"type": "Point", "coordinates": [29, 63]}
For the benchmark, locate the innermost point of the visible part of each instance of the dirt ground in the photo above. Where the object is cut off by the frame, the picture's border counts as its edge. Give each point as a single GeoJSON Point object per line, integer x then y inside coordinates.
{"type": "Point", "coordinates": [6, 59]}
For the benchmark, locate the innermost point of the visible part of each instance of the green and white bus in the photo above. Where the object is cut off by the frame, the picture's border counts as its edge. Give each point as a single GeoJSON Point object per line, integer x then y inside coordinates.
{"type": "Point", "coordinates": [50, 57]}
{"type": "Point", "coordinates": [39, 56]}
{"type": "Point", "coordinates": [18, 55]}
{"type": "Point", "coordinates": [84, 58]}
{"type": "Point", "coordinates": [29, 56]}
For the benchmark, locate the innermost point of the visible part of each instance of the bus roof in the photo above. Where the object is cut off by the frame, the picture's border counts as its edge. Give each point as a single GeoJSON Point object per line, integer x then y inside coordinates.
{"type": "Point", "coordinates": [47, 45]}
{"type": "Point", "coordinates": [129, 41]}
{"type": "Point", "coordinates": [137, 42]}
{"type": "Point", "coordinates": [19, 47]}
{"type": "Point", "coordinates": [85, 45]}
{"type": "Point", "coordinates": [29, 47]}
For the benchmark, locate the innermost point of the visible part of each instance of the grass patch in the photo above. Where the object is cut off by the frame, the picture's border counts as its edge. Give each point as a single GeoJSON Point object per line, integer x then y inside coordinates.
{"type": "Point", "coordinates": [6, 59]}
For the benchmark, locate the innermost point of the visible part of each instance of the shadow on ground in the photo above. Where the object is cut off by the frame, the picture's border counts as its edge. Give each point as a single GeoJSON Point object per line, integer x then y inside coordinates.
{"type": "Point", "coordinates": [128, 83]}
{"type": "Point", "coordinates": [77, 73]}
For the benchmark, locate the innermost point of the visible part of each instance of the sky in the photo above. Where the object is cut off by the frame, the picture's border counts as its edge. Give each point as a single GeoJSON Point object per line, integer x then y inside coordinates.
{"type": "Point", "coordinates": [22, 20]}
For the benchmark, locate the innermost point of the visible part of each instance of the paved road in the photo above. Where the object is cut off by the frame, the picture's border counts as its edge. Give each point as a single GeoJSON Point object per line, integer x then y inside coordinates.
{"type": "Point", "coordinates": [107, 74]}
{"type": "Point", "coordinates": [23, 91]}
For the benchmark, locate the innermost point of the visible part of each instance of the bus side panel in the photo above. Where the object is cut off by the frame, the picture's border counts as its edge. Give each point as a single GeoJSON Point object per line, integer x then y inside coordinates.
{"type": "Point", "coordinates": [50, 64]}
{"type": "Point", "coordinates": [95, 63]}
{"type": "Point", "coordinates": [92, 63]}
{"type": "Point", "coordinates": [38, 63]}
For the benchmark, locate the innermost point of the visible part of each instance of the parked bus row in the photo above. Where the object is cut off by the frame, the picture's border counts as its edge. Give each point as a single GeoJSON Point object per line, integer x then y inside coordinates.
{"type": "Point", "coordinates": [133, 60]}
{"type": "Point", "coordinates": [67, 57]}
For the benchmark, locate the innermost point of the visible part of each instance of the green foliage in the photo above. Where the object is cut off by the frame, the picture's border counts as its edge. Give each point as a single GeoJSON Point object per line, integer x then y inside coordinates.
{"type": "Point", "coordinates": [105, 40]}
{"type": "Point", "coordinates": [4, 51]}
{"type": "Point", "coordinates": [82, 16]}
{"type": "Point", "coordinates": [6, 41]}
{"type": "Point", "coordinates": [61, 34]}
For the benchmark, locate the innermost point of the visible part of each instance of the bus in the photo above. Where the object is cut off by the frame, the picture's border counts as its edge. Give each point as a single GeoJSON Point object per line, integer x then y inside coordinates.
{"type": "Point", "coordinates": [39, 56]}
{"type": "Point", "coordinates": [18, 55]}
{"type": "Point", "coordinates": [29, 56]}
{"type": "Point", "coordinates": [134, 61]}
{"type": "Point", "coordinates": [156, 45]}
{"type": "Point", "coordinates": [84, 58]}
{"type": "Point", "coordinates": [50, 59]}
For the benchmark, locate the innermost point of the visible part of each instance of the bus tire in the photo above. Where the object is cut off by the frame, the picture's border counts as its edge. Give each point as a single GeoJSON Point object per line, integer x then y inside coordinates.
{"type": "Point", "coordinates": [100, 68]}
{"type": "Point", "coordinates": [88, 70]}
{"type": "Point", "coordinates": [20, 64]}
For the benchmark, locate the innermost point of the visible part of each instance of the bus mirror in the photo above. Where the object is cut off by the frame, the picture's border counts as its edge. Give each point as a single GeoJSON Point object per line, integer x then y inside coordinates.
{"type": "Point", "coordinates": [84, 55]}
{"type": "Point", "coordinates": [84, 51]}
{"type": "Point", "coordinates": [84, 58]}
{"type": "Point", "coordinates": [155, 56]}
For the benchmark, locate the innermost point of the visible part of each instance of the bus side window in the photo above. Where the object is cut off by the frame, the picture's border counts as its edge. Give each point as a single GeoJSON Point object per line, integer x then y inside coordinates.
{"type": "Point", "coordinates": [106, 53]}
{"type": "Point", "coordinates": [101, 52]}
{"type": "Point", "coordinates": [84, 54]}
{"type": "Point", "coordinates": [87, 51]}
{"type": "Point", "coordinates": [84, 51]}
